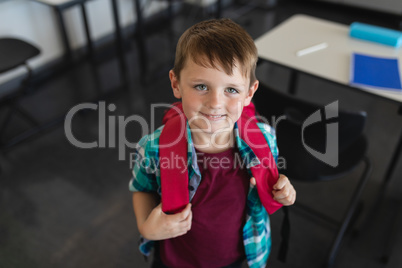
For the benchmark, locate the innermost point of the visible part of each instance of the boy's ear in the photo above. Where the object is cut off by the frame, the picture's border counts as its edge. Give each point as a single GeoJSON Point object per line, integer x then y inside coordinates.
{"type": "Point", "coordinates": [253, 88]}
{"type": "Point", "coordinates": [174, 82]}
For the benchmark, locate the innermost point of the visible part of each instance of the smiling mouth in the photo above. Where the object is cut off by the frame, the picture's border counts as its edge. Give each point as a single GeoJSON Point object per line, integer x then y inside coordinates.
{"type": "Point", "coordinates": [214, 117]}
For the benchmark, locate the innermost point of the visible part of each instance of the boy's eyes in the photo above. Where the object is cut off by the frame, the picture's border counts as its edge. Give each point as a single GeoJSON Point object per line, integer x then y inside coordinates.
{"type": "Point", "coordinates": [204, 87]}
{"type": "Point", "coordinates": [201, 87]}
{"type": "Point", "coordinates": [232, 90]}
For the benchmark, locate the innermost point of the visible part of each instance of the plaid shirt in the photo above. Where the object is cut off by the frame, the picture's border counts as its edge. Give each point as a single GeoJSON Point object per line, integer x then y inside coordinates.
{"type": "Point", "coordinates": [256, 231]}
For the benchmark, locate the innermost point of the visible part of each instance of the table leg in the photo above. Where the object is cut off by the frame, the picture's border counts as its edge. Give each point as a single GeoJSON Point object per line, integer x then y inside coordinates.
{"type": "Point", "coordinates": [119, 41]}
{"type": "Point", "coordinates": [64, 36]}
{"type": "Point", "coordinates": [390, 242]}
{"type": "Point", "coordinates": [218, 9]}
{"type": "Point", "coordinates": [389, 245]}
{"type": "Point", "coordinates": [87, 31]}
{"type": "Point", "coordinates": [395, 157]}
{"type": "Point", "coordinates": [170, 10]}
{"type": "Point", "coordinates": [116, 20]}
{"type": "Point", "coordinates": [141, 40]}
{"type": "Point", "coordinates": [293, 77]}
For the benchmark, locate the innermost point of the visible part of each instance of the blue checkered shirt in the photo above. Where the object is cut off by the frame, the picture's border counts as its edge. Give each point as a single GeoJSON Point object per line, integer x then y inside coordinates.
{"type": "Point", "coordinates": [256, 231]}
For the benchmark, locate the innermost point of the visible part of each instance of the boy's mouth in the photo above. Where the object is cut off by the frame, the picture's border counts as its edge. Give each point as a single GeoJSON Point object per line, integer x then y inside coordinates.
{"type": "Point", "coordinates": [213, 117]}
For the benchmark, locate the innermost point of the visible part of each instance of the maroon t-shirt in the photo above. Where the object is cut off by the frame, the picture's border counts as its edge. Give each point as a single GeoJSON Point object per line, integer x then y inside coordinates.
{"type": "Point", "coordinates": [219, 209]}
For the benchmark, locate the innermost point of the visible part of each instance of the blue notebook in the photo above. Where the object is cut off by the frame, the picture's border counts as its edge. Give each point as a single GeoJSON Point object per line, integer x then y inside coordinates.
{"type": "Point", "coordinates": [375, 72]}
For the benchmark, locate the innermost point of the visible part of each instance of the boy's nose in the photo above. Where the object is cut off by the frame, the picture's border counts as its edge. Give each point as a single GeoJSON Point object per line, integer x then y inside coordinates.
{"type": "Point", "coordinates": [215, 100]}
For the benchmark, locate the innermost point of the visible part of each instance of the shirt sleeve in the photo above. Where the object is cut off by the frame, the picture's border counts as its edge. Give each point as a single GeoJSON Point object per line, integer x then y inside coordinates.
{"type": "Point", "coordinates": [270, 135]}
{"type": "Point", "coordinates": [145, 166]}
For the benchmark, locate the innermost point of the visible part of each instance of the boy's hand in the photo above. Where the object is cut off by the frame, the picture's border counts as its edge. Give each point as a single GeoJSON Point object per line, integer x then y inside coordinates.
{"type": "Point", "coordinates": [283, 192]}
{"type": "Point", "coordinates": [159, 225]}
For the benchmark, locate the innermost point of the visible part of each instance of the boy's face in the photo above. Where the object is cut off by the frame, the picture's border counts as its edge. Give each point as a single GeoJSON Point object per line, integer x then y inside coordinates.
{"type": "Point", "coordinates": [212, 100]}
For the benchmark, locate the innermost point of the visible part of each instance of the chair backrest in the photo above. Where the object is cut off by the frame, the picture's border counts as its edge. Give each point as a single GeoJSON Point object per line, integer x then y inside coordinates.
{"type": "Point", "coordinates": [295, 135]}
{"type": "Point", "coordinates": [15, 52]}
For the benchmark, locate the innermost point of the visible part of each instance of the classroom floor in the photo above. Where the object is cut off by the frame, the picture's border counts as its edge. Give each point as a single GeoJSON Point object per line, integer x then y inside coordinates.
{"type": "Point", "coordinates": [65, 206]}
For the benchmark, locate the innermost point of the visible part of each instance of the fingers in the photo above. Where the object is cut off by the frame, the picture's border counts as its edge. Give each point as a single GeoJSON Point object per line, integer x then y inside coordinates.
{"type": "Point", "coordinates": [188, 217]}
{"type": "Point", "coordinates": [185, 225]}
{"type": "Point", "coordinates": [282, 181]}
{"type": "Point", "coordinates": [159, 225]}
{"type": "Point", "coordinates": [183, 221]}
{"type": "Point", "coordinates": [284, 191]}
{"type": "Point", "coordinates": [183, 215]}
{"type": "Point", "coordinates": [285, 199]}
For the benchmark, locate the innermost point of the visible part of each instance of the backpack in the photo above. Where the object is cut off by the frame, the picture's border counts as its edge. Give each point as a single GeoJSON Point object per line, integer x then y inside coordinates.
{"type": "Point", "coordinates": [174, 182]}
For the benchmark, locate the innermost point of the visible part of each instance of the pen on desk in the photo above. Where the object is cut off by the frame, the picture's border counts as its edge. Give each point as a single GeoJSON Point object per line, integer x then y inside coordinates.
{"type": "Point", "coordinates": [312, 49]}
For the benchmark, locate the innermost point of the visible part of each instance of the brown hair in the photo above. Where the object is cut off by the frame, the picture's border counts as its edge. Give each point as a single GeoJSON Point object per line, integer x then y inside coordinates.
{"type": "Point", "coordinates": [217, 41]}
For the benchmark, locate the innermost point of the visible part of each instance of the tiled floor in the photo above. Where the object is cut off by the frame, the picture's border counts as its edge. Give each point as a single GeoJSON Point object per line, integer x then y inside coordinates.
{"type": "Point", "coordinates": [64, 206]}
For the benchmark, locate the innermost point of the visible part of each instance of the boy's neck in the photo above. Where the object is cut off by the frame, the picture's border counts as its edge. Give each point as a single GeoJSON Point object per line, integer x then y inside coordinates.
{"type": "Point", "coordinates": [209, 143]}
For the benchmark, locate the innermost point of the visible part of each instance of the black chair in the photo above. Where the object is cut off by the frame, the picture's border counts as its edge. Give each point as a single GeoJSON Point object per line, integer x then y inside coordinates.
{"type": "Point", "coordinates": [302, 138]}
{"type": "Point", "coordinates": [15, 53]}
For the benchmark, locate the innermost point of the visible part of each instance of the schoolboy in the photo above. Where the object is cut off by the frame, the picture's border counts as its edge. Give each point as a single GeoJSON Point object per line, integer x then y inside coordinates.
{"type": "Point", "coordinates": [224, 223]}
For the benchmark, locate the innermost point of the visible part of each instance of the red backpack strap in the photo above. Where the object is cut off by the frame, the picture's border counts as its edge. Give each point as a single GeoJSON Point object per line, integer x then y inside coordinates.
{"type": "Point", "coordinates": [266, 173]}
{"type": "Point", "coordinates": [172, 149]}
{"type": "Point", "coordinates": [175, 194]}
{"type": "Point", "coordinates": [175, 110]}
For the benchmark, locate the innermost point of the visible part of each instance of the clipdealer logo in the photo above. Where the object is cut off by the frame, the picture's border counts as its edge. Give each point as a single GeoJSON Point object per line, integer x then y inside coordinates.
{"type": "Point", "coordinates": [331, 154]}
{"type": "Point", "coordinates": [103, 131]}
{"type": "Point", "coordinates": [108, 123]}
